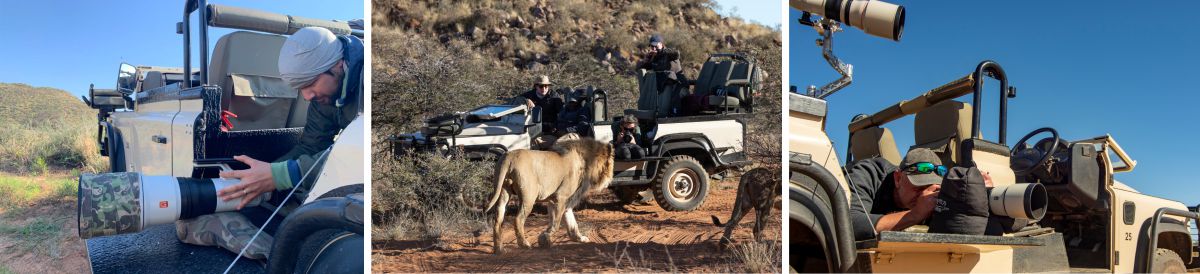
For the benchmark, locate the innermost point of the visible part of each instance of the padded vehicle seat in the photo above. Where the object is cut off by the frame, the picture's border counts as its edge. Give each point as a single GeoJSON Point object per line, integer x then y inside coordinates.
{"type": "Point", "coordinates": [153, 80]}
{"type": "Point", "coordinates": [662, 103]}
{"type": "Point", "coordinates": [245, 65]}
{"type": "Point", "coordinates": [942, 128]}
{"type": "Point", "coordinates": [874, 142]}
{"type": "Point", "coordinates": [730, 93]}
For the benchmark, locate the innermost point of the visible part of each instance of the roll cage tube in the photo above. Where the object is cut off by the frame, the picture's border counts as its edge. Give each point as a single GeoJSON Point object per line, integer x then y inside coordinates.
{"type": "Point", "coordinates": [972, 83]}
{"type": "Point", "coordinates": [842, 256]}
{"type": "Point", "coordinates": [991, 69]}
{"type": "Point", "coordinates": [185, 29]}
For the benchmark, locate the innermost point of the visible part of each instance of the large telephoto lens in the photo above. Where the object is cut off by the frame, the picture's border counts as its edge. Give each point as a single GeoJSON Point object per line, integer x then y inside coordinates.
{"type": "Point", "coordinates": [1018, 201]}
{"type": "Point", "coordinates": [127, 202]}
{"type": "Point", "coordinates": [874, 17]}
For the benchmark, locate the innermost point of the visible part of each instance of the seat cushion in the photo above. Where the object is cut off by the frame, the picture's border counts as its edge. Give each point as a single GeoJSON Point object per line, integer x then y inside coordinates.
{"type": "Point", "coordinates": [723, 101]}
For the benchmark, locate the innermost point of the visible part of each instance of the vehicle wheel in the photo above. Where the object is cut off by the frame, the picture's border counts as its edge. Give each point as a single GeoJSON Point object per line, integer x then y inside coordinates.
{"type": "Point", "coordinates": [681, 184]}
{"type": "Point", "coordinates": [116, 151]}
{"type": "Point", "coordinates": [1166, 261]}
{"type": "Point", "coordinates": [331, 251]}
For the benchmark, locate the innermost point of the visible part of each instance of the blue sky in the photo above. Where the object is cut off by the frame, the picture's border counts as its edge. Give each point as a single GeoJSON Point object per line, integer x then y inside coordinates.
{"type": "Point", "coordinates": [1121, 68]}
{"type": "Point", "coordinates": [767, 13]}
{"type": "Point", "coordinates": [69, 44]}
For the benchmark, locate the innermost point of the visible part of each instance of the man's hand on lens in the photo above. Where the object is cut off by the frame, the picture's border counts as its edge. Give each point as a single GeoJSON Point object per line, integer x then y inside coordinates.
{"type": "Point", "coordinates": [927, 201]}
{"type": "Point", "coordinates": [255, 181]}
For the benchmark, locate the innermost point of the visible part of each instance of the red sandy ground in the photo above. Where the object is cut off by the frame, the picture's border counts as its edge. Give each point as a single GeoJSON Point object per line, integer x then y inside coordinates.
{"type": "Point", "coordinates": [656, 240]}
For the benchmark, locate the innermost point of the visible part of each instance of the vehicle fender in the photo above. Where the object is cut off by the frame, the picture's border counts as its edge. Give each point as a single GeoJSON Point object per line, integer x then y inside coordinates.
{"type": "Point", "coordinates": [477, 152]}
{"type": "Point", "coordinates": [687, 141]}
{"type": "Point", "coordinates": [806, 214]}
{"type": "Point", "coordinates": [1173, 235]}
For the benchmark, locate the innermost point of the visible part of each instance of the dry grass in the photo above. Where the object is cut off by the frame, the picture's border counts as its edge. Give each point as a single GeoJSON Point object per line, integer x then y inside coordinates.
{"type": "Point", "coordinates": [46, 129]}
{"type": "Point", "coordinates": [637, 261]}
{"type": "Point", "coordinates": [757, 257]}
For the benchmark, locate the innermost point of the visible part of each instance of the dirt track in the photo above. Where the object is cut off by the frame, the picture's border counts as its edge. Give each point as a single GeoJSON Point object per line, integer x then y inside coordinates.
{"type": "Point", "coordinates": [646, 238]}
{"type": "Point", "coordinates": [64, 253]}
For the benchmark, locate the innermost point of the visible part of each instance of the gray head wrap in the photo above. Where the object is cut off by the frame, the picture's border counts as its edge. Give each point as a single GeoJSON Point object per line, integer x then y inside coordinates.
{"type": "Point", "coordinates": [306, 54]}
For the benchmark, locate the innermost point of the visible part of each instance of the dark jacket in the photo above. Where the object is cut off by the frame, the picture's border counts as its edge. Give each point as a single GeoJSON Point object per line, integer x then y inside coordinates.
{"type": "Point", "coordinates": [872, 189]}
{"type": "Point", "coordinates": [573, 121]}
{"type": "Point", "coordinates": [666, 61]}
{"type": "Point", "coordinates": [551, 104]}
{"type": "Point", "coordinates": [324, 121]}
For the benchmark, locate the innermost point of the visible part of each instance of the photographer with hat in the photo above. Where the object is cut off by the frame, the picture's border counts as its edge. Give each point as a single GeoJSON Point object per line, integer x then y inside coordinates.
{"type": "Point", "coordinates": [549, 104]}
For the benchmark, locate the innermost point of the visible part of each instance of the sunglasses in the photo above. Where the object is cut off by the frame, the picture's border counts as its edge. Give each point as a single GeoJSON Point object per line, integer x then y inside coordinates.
{"type": "Point", "coordinates": [926, 168]}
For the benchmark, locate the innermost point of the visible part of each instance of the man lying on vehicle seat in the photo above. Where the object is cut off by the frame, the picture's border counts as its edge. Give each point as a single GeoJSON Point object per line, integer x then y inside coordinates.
{"type": "Point", "coordinates": [884, 197]}
{"type": "Point", "coordinates": [628, 138]}
{"type": "Point", "coordinates": [328, 71]}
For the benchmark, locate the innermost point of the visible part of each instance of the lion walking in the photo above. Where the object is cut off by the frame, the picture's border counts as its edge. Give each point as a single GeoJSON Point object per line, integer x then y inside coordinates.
{"type": "Point", "coordinates": [757, 190]}
{"type": "Point", "coordinates": [561, 177]}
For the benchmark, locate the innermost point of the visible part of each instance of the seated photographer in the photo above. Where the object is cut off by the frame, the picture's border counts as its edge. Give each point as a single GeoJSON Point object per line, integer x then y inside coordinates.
{"type": "Point", "coordinates": [625, 142]}
{"type": "Point", "coordinates": [574, 118]}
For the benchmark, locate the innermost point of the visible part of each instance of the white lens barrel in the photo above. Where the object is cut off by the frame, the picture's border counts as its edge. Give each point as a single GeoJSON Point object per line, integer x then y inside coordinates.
{"type": "Point", "coordinates": [167, 199]}
{"type": "Point", "coordinates": [874, 17]}
{"type": "Point", "coordinates": [160, 200]}
{"type": "Point", "coordinates": [1019, 201]}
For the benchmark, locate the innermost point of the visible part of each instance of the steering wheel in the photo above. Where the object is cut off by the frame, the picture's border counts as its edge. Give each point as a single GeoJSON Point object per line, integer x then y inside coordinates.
{"type": "Point", "coordinates": [1045, 153]}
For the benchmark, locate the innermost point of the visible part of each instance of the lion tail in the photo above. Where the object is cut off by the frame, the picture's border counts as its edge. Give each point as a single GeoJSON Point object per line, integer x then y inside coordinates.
{"type": "Point", "coordinates": [501, 173]}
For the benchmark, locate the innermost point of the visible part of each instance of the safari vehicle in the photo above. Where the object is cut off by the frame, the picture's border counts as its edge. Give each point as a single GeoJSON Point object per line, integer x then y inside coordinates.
{"type": "Point", "coordinates": [1091, 222]}
{"type": "Point", "coordinates": [163, 125]}
{"type": "Point", "coordinates": [1077, 217]}
{"type": "Point", "coordinates": [684, 150]}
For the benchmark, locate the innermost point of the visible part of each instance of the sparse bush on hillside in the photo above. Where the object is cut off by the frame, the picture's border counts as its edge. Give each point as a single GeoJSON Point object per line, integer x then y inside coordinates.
{"type": "Point", "coordinates": [430, 196]}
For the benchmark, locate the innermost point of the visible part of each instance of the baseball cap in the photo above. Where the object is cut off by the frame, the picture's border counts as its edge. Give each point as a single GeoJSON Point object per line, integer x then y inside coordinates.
{"type": "Point", "coordinates": [918, 155]}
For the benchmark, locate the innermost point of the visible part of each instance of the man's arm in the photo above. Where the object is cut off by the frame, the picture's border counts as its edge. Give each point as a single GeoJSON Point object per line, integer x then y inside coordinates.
{"type": "Point", "coordinates": [900, 220]}
{"type": "Point", "coordinates": [319, 128]}
{"type": "Point", "coordinates": [865, 178]}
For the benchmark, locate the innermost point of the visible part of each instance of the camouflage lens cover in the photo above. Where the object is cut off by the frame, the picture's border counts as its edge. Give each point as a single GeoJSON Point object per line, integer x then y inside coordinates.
{"type": "Point", "coordinates": [109, 204]}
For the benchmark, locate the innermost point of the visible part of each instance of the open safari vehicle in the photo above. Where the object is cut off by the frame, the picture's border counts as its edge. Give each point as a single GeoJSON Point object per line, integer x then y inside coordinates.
{"type": "Point", "coordinates": [682, 149]}
{"type": "Point", "coordinates": [1084, 220]}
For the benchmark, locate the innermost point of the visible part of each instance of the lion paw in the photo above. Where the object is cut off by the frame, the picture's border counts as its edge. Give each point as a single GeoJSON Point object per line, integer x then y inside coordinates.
{"type": "Point", "coordinates": [584, 239]}
{"type": "Point", "coordinates": [544, 240]}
